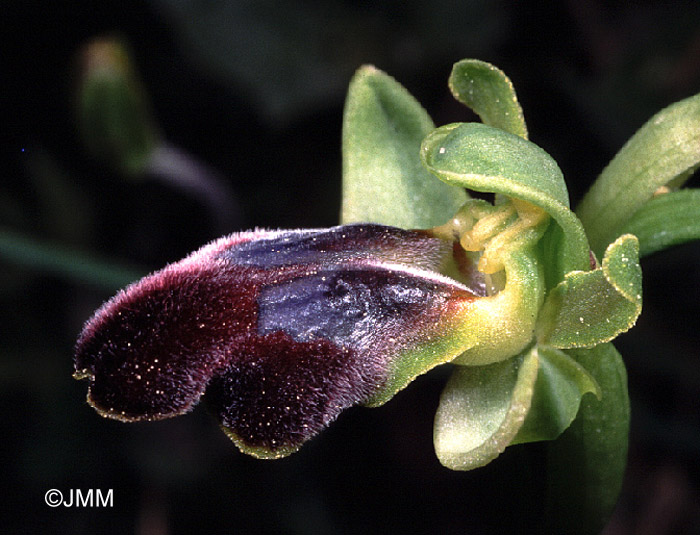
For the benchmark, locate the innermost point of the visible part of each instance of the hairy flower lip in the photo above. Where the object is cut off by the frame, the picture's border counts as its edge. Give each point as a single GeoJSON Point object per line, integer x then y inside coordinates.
{"type": "Point", "coordinates": [323, 317]}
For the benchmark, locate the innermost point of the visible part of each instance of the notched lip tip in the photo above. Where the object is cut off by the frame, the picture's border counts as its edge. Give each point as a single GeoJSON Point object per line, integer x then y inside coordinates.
{"type": "Point", "coordinates": [79, 375]}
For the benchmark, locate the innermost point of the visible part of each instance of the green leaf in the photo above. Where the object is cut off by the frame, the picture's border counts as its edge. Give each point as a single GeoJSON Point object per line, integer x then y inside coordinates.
{"type": "Point", "coordinates": [481, 410]}
{"type": "Point", "coordinates": [588, 308]}
{"type": "Point", "coordinates": [666, 220]}
{"type": "Point", "coordinates": [487, 159]}
{"type": "Point", "coordinates": [490, 93]}
{"type": "Point", "coordinates": [664, 151]}
{"type": "Point", "coordinates": [383, 179]}
{"type": "Point", "coordinates": [561, 383]}
{"type": "Point", "coordinates": [586, 464]}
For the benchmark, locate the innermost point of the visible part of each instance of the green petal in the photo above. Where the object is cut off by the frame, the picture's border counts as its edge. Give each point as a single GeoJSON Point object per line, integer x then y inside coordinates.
{"type": "Point", "coordinates": [666, 220]}
{"type": "Point", "coordinates": [487, 159]}
{"type": "Point", "coordinates": [383, 179]}
{"type": "Point", "coordinates": [490, 93]}
{"type": "Point", "coordinates": [481, 410]}
{"type": "Point", "coordinates": [561, 383]}
{"type": "Point", "coordinates": [588, 308]}
{"type": "Point", "coordinates": [587, 463]}
{"type": "Point", "coordinates": [663, 152]}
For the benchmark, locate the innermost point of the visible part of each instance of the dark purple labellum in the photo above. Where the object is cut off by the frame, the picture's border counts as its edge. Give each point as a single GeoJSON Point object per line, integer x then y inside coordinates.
{"type": "Point", "coordinates": [282, 329]}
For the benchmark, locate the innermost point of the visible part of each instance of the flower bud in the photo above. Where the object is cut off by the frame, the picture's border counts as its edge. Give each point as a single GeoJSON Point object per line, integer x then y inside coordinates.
{"type": "Point", "coordinates": [112, 109]}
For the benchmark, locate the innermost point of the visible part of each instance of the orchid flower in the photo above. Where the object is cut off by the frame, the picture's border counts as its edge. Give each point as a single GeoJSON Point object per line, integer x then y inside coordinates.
{"type": "Point", "coordinates": [279, 331]}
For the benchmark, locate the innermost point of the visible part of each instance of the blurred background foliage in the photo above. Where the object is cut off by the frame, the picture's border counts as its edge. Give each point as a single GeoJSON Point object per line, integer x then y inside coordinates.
{"type": "Point", "coordinates": [249, 97]}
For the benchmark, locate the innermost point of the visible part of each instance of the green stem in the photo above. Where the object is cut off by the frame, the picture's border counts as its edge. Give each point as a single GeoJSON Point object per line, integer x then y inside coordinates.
{"type": "Point", "coordinates": [28, 252]}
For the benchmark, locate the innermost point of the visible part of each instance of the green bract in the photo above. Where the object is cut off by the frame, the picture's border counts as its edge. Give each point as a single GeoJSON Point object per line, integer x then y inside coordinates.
{"type": "Point", "coordinates": [537, 341]}
{"type": "Point", "coordinates": [663, 153]}
{"type": "Point", "coordinates": [669, 218]}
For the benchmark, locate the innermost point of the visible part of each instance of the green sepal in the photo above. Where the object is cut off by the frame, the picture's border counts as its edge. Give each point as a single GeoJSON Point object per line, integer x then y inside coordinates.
{"type": "Point", "coordinates": [489, 92]}
{"type": "Point", "coordinates": [663, 152]}
{"type": "Point", "coordinates": [586, 464]}
{"type": "Point", "coordinates": [481, 410]}
{"type": "Point", "coordinates": [383, 179]}
{"type": "Point", "coordinates": [588, 308]}
{"type": "Point", "coordinates": [666, 220]}
{"type": "Point", "coordinates": [488, 159]}
{"type": "Point", "coordinates": [561, 383]}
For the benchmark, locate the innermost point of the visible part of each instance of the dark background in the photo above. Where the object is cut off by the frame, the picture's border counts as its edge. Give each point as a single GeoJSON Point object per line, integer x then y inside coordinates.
{"type": "Point", "coordinates": [256, 90]}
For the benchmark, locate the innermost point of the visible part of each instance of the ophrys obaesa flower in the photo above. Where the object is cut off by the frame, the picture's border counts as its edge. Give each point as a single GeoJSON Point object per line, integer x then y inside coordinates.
{"type": "Point", "coordinates": [279, 331]}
